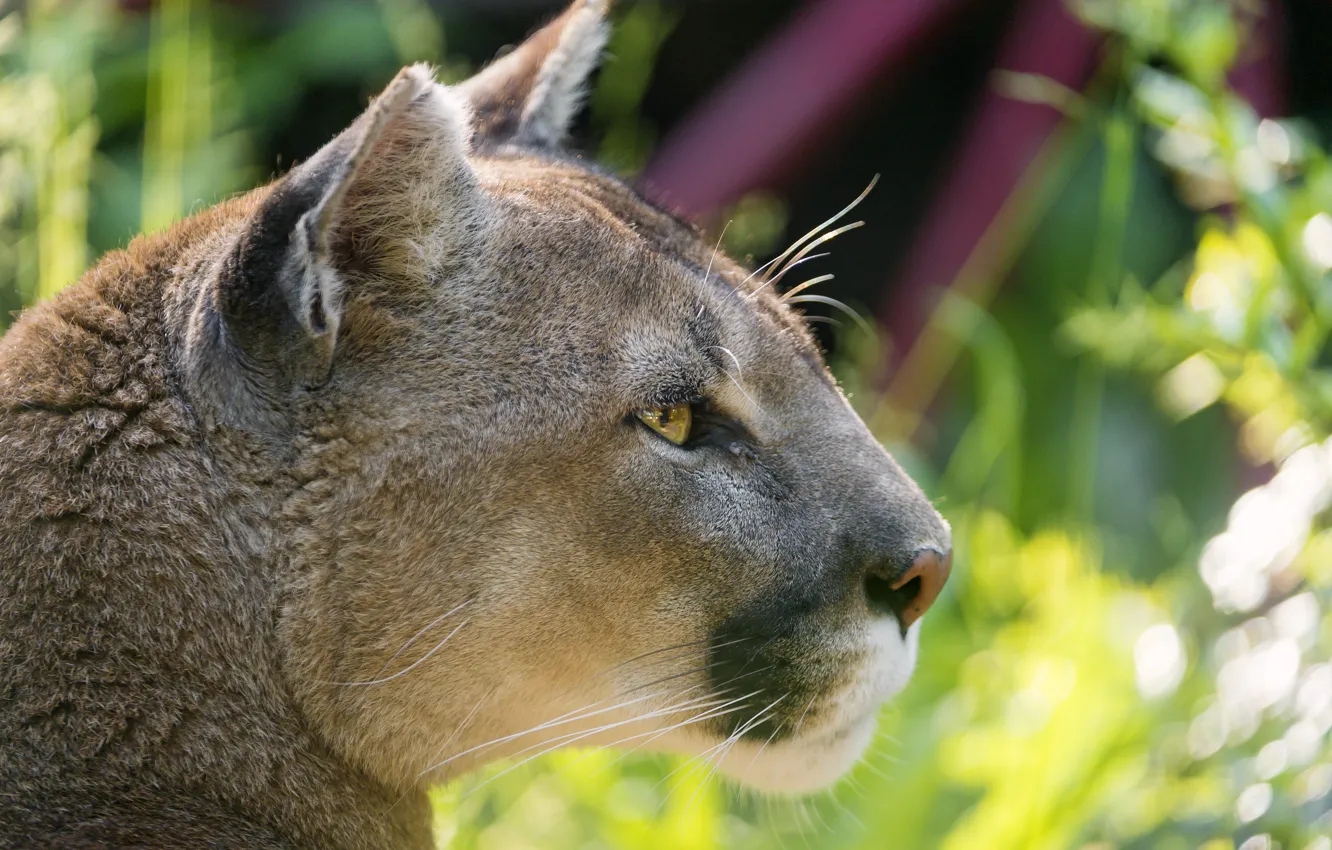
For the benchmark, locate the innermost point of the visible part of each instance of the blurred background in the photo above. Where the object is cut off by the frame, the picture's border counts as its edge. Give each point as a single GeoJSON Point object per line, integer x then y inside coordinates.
{"type": "Point", "coordinates": [1096, 272]}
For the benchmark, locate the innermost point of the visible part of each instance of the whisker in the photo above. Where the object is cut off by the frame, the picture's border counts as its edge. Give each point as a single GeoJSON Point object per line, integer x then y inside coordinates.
{"type": "Point", "coordinates": [713, 259]}
{"type": "Point", "coordinates": [805, 821]}
{"type": "Point", "coordinates": [824, 320]}
{"type": "Point", "coordinates": [586, 711]}
{"type": "Point", "coordinates": [862, 794]}
{"type": "Point", "coordinates": [736, 360]}
{"type": "Point", "coordinates": [754, 760]}
{"type": "Point", "coordinates": [637, 658]}
{"type": "Point", "coordinates": [803, 714]}
{"type": "Point", "coordinates": [756, 290]}
{"type": "Point", "coordinates": [827, 237]}
{"type": "Point", "coordinates": [707, 700]}
{"type": "Point", "coordinates": [568, 717]}
{"type": "Point", "coordinates": [876, 770]}
{"type": "Point", "coordinates": [716, 248]}
{"type": "Point", "coordinates": [731, 681]}
{"type": "Point", "coordinates": [755, 273]}
{"type": "Point", "coordinates": [456, 732]}
{"type": "Point", "coordinates": [707, 715]}
{"type": "Point", "coordinates": [750, 398]}
{"type": "Point", "coordinates": [834, 303]}
{"type": "Point", "coordinates": [695, 759]}
{"type": "Point", "coordinates": [417, 636]}
{"type": "Point", "coordinates": [827, 830]}
{"type": "Point", "coordinates": [598, 731]}
{"type": "Point", "coordinates": [672, 677]}
{"type": "Point", "coordinates": [655, 735]}
{"type": "Point", "coordinates": [698, 759]}
{"type": "Point", "coordinates": [465, 723]}
{"type": "Point", "coordinates": [409, 668]}
{"type": "Point", "coordinates": [801, 287]}
{"type": "Point", "coordinates": [686, 645]}
{"type": "Point", "coordinates": [727, 745]}
{"type": "Point", "coordinates": [820, 228]}
{"type": "Point", "coordinates": [670, 648]}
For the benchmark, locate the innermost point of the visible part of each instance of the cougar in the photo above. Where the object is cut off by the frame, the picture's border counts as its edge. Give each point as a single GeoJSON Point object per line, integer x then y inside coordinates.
{"type": "Point", "coordinates": [443, 448]}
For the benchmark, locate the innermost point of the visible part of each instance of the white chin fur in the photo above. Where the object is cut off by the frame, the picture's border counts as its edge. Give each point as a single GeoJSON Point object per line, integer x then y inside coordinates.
{"type": "Point", "coordinates": [819, 757]}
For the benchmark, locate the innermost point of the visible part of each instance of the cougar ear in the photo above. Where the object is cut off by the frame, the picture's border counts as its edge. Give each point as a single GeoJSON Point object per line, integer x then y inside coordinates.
{"type": "Point", "coordinates": [279, 294]}
{"type": "Point", "coordinates": [531, 94]}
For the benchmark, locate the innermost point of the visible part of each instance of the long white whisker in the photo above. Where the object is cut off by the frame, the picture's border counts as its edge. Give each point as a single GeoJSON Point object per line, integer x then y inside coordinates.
{"type": "Point", "coordinates": [409, 668]}
{"type": "Point", "coordinates": [713, 259]}
{"type": "Point", "coordinates": [692, 764]}
{"type": "Point", "coordinates": [728, 745]}
{"type": "Point", "coordinates": [465, 723]}
{"type": "Point", "coordinates": [568, 717]}
{"type": "Point", "coordinates": [827, 830]}
{"type": "Point", "coordinates": [823, 320]}
{"type": "Point", "coordinates": [756, 272]}
{"type": "Point", "coordinates": [754, 293]}
{"type": "Point", "coordinates": [801, 287]}
{"type": "Point", "coordinates": [654, 652]}
{"type": "Point", "coordinates": [703, 755]}
{"type": "Point", "coordinates": [736, 360]}
{"type": "Point", "coordinates": [670, 709]}
{"type": "Point", "coordinates": [755, 759]}
{"type": "Point", "coordinates": [597, 731]}
{"type": "Point", "coordinates": [817, 230]}
{"type": "Point", "coordinates": [456, 732]}
{"type": "Point", "coordinates": [827, 237]}
{"type": "Point", "coordinates": [835, 304]}
{"type": "Point", "coordinates": [657, 733]}
{"type": "Point", "coordinates": [716, 248]}
{"type": "Point", "coordinates": [801, 722]}
{"type": "Point", "coordinates": [758, 718]}
{"type": "Point", "coordinates": [417, 636]}
{"type": "Point", "coordinates": [747, 396]}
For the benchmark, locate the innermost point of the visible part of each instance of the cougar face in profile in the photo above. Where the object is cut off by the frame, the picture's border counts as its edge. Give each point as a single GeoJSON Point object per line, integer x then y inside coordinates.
{"type": "Point", "coordinates": [446, 447]}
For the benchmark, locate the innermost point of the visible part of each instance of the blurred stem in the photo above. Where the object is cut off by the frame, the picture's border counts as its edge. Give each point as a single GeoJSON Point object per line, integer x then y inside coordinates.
{"type": "Point", "coordinates": [930, 360]}
{"type": "Point", "coordinates": [179, 107]}
{"type": "Point", "coordinates": [1107, 271]}
{"type": "Point", "coordinates": [61, 146]}
{"type": "Point", "coordinates": [994, 436]}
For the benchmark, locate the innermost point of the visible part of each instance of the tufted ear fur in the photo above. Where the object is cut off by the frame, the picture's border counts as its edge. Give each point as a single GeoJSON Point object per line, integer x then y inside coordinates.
{"type": "Point", "coordinates": [530, 95]}
{"type": "Point", "coordinates": [277, 302]}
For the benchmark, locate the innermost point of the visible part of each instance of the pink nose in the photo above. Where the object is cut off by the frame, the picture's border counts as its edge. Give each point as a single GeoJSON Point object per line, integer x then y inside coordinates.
{"type": "Point", "coordinates": [932, 569]}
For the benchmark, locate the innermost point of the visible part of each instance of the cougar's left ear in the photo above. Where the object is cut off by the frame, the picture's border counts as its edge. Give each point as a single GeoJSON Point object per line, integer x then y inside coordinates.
{"type": "Point", "coordinates": [530, 95]}
{"type": "Point", "coordinates": [396, 177]}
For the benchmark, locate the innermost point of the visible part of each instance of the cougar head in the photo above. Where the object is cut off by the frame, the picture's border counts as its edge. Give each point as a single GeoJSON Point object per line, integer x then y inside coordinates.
{"type": "Point", "coordinates": [561, 472]}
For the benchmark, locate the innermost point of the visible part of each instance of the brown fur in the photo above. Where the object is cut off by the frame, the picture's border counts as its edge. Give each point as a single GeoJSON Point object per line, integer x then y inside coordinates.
{"type": "Point", "coordinates": [252, 462]}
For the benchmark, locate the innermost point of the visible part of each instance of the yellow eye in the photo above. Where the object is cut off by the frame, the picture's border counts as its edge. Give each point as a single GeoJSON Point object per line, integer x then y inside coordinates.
{"type": "Point", "coordinates": [673, 422]}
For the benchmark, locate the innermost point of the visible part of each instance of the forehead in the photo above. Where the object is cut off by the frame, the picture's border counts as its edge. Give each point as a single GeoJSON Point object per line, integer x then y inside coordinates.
{"type": "Point", "coordinates": [658, 260]}
{"type": "Point", "coordinates": [560, 189]}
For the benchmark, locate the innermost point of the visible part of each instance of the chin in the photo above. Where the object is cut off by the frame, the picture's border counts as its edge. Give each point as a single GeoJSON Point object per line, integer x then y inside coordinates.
{"type": "Point", "coordinates": [800, 766]}
{"type": "Point", "coordinates": [814, 760]}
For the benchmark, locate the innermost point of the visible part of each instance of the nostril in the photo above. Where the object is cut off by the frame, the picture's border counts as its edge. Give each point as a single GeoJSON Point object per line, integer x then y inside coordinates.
{"type": "Point", "coordinates": [909, 594]}
{"type": "Point", "coordinates": [886, 599]}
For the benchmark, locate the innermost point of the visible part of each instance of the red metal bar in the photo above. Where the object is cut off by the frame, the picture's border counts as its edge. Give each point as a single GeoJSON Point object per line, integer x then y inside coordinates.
{"type": "Point", "coordinates": [785, 97]}
{"type": "Point", "coordinates": [1004, 140]}
{"type": "Point", "coordinates": [1260, 76]}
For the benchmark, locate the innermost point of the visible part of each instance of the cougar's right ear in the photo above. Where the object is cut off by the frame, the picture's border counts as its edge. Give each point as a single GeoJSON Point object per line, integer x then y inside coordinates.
{"type": "Point", "coordinates": [394, 176]}
{"type": "Point", "coordinates": [530, 95]}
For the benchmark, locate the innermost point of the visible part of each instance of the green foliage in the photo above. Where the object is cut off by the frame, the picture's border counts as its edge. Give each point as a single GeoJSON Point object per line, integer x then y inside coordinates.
{"type": "Point", "coordinates": [627, 138]}
{"type": "Point", "coordinates": [1100, 672]}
